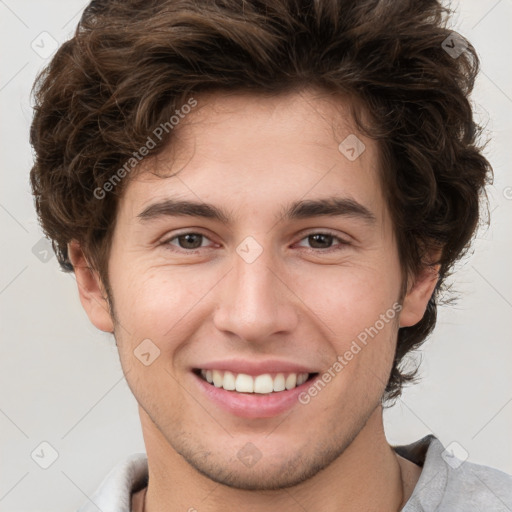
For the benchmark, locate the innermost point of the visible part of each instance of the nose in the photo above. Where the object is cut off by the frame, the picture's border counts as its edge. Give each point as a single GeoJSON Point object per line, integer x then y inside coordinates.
{"type": "Point", "coordinates": [255, 301]}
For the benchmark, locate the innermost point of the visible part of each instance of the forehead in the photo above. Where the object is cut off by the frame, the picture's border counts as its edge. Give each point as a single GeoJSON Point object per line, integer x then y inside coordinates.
{"type": "Point", "coordinates": [259, 151]}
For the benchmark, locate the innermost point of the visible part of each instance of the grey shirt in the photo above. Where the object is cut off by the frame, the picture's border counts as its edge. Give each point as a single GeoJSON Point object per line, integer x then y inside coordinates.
{"type": "Point", "coordinates": [446, 483]}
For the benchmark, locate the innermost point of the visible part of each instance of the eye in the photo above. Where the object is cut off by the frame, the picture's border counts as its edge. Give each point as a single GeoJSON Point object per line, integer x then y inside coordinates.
{"type": "Point", "coordinates": [324, 240]}
{"type": "Point", "coordinates": [193, 241]}
{"type": "Point", "coordinates": [186, 241]}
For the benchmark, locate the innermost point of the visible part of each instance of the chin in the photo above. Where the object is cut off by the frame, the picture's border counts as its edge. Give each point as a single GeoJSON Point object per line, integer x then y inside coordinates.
{"type": "Point", "coordinates": [262, 479]}
{"type": "Point", "coordinates": [262, 472]}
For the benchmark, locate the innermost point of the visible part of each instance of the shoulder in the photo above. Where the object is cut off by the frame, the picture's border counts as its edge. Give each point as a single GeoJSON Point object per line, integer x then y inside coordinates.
{"type": "Point", "coordinates": [448, 483]}
{"type": "Point", "coordinates": [477, 486]}
{"type": "Point", "coordinates": [114, 493]}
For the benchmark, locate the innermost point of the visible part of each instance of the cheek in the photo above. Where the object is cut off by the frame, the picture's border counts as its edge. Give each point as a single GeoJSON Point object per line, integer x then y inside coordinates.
{"type": "Point", "coordinates": [153, 300]}
{"type": "Point", "coordinates": [357, 310]}
{"type": "Point", "coordinates": [165, 306]}
{"type": "Point", "coordinates": [351, 297]}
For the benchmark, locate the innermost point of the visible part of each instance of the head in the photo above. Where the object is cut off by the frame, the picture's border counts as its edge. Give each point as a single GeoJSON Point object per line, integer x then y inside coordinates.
{"type": "Point", "coordinates": [248, 109]}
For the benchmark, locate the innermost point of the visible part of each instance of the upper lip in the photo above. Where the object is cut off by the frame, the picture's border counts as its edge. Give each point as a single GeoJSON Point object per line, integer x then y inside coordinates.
{"type": "Point", "coordinates": [255, 367]}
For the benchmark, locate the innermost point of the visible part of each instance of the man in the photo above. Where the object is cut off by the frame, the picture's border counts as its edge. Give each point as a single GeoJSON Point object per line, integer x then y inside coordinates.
{"type": "Point", "coordinates": [261, 201]}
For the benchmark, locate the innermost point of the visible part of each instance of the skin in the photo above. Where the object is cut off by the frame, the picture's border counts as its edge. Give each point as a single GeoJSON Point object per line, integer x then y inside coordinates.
{"type": "Point", "coordinates": [301, 300]}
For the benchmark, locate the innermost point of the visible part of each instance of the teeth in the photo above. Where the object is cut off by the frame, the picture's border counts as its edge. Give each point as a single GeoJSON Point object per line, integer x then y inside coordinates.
{"type": "Point", "coordinates": [279, 382]}
{"type": "Point", "coordinates": [229, 383]}
{"type": "Point", "coordinates": [262, 384]}
{"type": "Point", "coordinates": [291, 381]}
{"type": "Point", "coordinates": [218, 379]}
{"type": "Point", "coordinates": [303, 377]}
{"type": "Point", "coordinates": [244, 383]}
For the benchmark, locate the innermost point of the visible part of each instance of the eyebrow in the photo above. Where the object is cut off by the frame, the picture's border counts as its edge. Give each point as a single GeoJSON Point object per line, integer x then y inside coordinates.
{"type": "Point", "coordinates": [303, 209]}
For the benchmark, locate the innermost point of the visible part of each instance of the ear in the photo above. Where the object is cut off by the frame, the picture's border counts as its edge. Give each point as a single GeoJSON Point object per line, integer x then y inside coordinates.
{"type": "Point", "coordinates": [90, 289]}
{"type": "Point", "coordinates": [418, 294]}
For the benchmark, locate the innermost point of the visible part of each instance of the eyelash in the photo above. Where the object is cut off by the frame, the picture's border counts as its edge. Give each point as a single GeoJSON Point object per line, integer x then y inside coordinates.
{"type": "Point", "coordinates": [342, 243]}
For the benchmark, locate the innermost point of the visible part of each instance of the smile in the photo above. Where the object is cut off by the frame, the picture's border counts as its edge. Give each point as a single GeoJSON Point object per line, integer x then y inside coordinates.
{"type": "Point", "coordinates": [263, 384]}
{"type": "Point", "coordinates": [253, 389]}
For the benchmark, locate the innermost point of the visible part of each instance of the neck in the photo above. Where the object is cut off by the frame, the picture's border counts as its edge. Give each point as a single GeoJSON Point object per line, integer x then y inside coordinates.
{"type": "Point", "coordinates": [366, 476]}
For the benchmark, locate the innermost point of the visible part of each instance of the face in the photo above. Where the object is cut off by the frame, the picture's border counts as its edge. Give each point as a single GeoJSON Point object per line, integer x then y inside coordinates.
{"type": "Point", "coordinates": [282, 266]}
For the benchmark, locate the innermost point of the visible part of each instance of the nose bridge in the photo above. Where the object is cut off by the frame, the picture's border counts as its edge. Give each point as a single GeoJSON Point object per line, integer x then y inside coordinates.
{"type": "Point", "coordinates": [254, 304]}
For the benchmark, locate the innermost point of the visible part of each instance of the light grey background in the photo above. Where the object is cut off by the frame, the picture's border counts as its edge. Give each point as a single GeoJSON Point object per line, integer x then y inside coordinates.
{"type": "Point", "coordinates": [61, 381]}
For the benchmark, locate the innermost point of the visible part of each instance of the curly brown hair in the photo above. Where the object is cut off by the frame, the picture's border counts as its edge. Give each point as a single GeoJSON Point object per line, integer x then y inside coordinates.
{"type": "Point", "coordinates": [132, 63]}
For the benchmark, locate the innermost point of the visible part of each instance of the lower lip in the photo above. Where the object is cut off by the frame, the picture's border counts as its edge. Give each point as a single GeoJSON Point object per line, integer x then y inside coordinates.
{"type": "Point", "coordinates": [253, 405]}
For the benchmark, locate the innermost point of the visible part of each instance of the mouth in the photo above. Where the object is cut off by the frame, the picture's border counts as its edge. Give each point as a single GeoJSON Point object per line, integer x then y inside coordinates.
{"type": "Point", "coordinates": [263, 384]}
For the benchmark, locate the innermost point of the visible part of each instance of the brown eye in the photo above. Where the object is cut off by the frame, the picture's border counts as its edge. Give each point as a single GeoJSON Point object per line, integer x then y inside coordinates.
{"type": "Point", "coordinates": [187, 242]}
{"type": "Point", "coordinates": [190, 241]}
{"type": "Point", "coordinates": [323, 242]}
{"type": "Point", "coordinates": [320, 240]}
